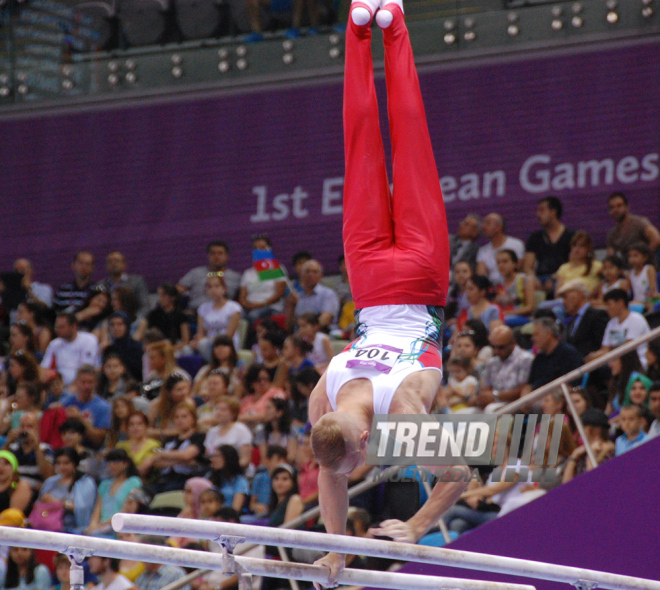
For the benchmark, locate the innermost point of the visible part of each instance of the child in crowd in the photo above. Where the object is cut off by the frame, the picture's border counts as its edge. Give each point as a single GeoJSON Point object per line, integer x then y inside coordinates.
{"type": "Point", "coordinates": [462, 384]}
{"type": "Point", "coordinates": [261, 327]}
{"type": "Point", "coordinates": [309, 329]}
{"type": "Point", "coordinates": [516, 293]}
{"type": "Point", "coordinates": [631, 421]}
{"type": "Point", "coordinates": [642, 276]}
{"type": "Point", "coordinates": [613, 277]}
{"type": "Point", "coordinates": [210, 501]}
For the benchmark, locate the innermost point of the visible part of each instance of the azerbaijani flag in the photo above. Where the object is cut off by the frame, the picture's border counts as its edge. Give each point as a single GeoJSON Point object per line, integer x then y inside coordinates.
{"type": "Point", "coordinates": [266, 265]}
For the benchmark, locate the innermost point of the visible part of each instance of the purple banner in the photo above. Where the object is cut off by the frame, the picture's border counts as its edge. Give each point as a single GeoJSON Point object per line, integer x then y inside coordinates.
{"type": "Point", "coordinates": [159, 182]}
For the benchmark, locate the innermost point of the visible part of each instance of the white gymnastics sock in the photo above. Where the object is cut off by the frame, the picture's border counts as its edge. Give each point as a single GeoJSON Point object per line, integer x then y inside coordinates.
{"type": "Point", "coordinates": [384, 17]}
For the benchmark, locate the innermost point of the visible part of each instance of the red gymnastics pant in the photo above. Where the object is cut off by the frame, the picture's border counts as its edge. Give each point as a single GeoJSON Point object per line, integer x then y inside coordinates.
{"type": "Point", "coordinates": [396, 246]}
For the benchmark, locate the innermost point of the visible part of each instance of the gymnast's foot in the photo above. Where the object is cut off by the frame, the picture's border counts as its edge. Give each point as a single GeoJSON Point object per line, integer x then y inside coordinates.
{"type": "Point", "coordinates": [384, 16]}
{"type": "Point", "coordinates": [362, 11]}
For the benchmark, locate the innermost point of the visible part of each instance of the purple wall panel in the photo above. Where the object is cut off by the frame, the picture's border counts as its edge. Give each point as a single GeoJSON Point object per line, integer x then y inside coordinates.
{"type": "Point", "coordinates": [158, 182]}
{"type": "Point", "coordinates": [606, 520]}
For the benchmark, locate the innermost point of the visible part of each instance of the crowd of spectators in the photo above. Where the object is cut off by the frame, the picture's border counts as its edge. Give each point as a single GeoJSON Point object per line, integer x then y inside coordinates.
{"type": "Point", "coordinates": [110, 397]}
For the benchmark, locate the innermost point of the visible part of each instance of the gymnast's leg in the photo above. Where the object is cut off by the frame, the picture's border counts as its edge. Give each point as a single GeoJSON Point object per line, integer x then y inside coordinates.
{"type": "Point", "coordinates": [420, 222]}
{"type": "Point", "coordinates": [368, 228]}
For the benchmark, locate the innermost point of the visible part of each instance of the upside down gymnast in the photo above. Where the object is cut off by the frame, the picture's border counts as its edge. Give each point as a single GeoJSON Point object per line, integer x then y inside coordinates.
{"type": "Point", "coordinates": [397, 254]}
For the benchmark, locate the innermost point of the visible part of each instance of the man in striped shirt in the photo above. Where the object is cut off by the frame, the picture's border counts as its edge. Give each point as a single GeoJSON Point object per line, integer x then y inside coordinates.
{"type": "Point", "coordinates": [71, 297]}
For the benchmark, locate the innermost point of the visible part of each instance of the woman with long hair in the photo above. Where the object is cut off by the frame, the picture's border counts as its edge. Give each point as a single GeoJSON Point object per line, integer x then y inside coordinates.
{"type": "Point", "coordinates": [21, 337]}
{"type": "Point", "coordinates": [113, 377]}
{"type": "Point", "coordinates": [224, 358]}
{"type": "Point", "coordinates": [21, 368]}
{"type": "Point", "coordinates": [112, 492]}
{"type": "Point", "coordinates": [72, 489]}
{"type": "Point", "coordinates": [138, 445]}
{"type": "Point", "coordinates": [622, 368]}
{"type": "Point", "coordinates": [477, 293]}
{"type": "Point", "coordinates": [122, 408]}
{"type": "Point", "coordinates": [516, 293]}
{"type": "Point", "coordinates": [285, 502]}
{"type": "Point", "coordinates": [226, 475]}
{"type": "Point", "coordinates": [33, 313]}
{"type": "Point", "coordinates": [175, 390]}
{"type": "Point", "coordinates": [277, 429]}
{"type": "Point", "coordinates": [581, 263]}
{"type": "Point", "coordinates": [23, 572]}
{"type": "Point", "coordinates": [160, 356]}
{"type": "Point", "coordinates": [259, 389]}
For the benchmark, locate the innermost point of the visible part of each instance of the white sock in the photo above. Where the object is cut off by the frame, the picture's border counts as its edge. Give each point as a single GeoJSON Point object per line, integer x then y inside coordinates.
{"type": "Point", "coordinates": [384, 17]}
{"type": "Point", "coordinates": [361, 16]}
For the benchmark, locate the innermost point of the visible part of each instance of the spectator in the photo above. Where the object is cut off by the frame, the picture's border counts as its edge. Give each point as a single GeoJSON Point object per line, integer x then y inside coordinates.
{"type": "Point", "coordinates": [162, 410]}
{"type": "Point", "coordinates": [34, 314]}
{"type": "Point", "coordinates": [21, 337]}
{"type": "Point", "coordinates": [106, 569]}
{"type": "Point", "coordinates": [194, 282]}
{"type": "Point", "coordinates": [629, 228]}
{"type": "Point", "coordinates": [214, 387]}
{"type": "Point", "coordinates": [613, 277]}
{"type": "Point", "coordinates": [643, 281]}
{"type": "Point", "coordinates": [35, 459]}
{"type": "Point", "coordinates": [285, 502]}
{"type": "Point", "coordinates": [294, 357]}
{"type": "Point", "coordinates": [308, 471]}
{"type": "Point", "coordinates": [259, 388]}
{"type": "Point", "coordinates": [315, 297]}
{"type": "Point", "coordinates": [515, 295]}
{"type": "Point", "coordinates": [624, 325]}
{"type": "Point", "coordinates": [654, 405]}
{"type": "Point", "coordinates": [653, 360]}
{"type": "Point", "coordinates": [115, 264]}
{"type": "Point", "coordinates": [506, 373]}
{"type": "Point", "coordinates": [23, 572]}
{"type": "Point", "coordinates": [155, 575]}
{"type": "Point", "coordinates": [302, 385]}
{"type": "Point", "coordinates": [622, 368]}
{"type": "Point", "coordinates": [139, 446]}
{"type": "Point", "coordinates": [113, 492]}
{"type": "Point", "coordinates": [72, 432]}
{"type": "Point", "coordinates": [94, 310]}
{"type": "Point", "coordinates": [260, 490]}
{"type": "Point", "coordinates": [168, 318]}
{"type": "Point", "coordinates": [309, 329]}
{"type": "Point", "coordinates": [230, 431]}
{"type": "Point", "coordinates": [71, 349]}
{"type": "Point", "coordinates": [92, 410]}
{"type": "Point", "coordinates": [121, 344]}
{"type": "Point", "coordinates": [35, 291]}
{"type": "Point", "coordinates": [341, 285]}
{"type": "Point", "coordinates": [70, 297]}
{"type": "Point", "coordinates": [258, 298]}
{"type": "Point", "coordinates": [62, 572]}
{"type": "Point", "coordinates": [637, 390]}
{"type": "Point", "coordinates": [457, 299]}
{"type": "Point", "coordinates": [554, 403]}
{"type": "Point", "coordinates": [277, 429]}
{"type": "Point", "coordinates": [493, 228]}
{"type": "Point", "coordinates": [182, 455]}
{"type": "Point", "coordinates": [581, 263]}
{"type": "Point", "coordinates": [191, 497]}
{"type": "Point", "coordinates": [226, 475]}
{"type": "Point", "coordinates": [461, 385]}
{"type": "Point", "coordinates": [586, 325]}
{"type": "Point", "coordinates": [217, 317]}
{"type": "Point", "coordinates": [160, 356]}
{"type": "Point", "coordinates": [269, 344]}
{"type": "Point", "coordinates": [122, 408]}
{"type": "Point", "coordinates": [298, 260]}
{"type": "Point", "coordinates": [463, 245]}
{"type": "Point", "coordinates": [554, 358]}
{"type": "Point", "coordinates": [113, 377]}
{"type": "Point", "coordinates": [465, 346]}
{"type": "Point", "coordinates": [71, 488]}
{"type": "Point", "coordinates": [14, 492]}
{"type": "Point", "coordinates": [549, 247]}
{"type": "Point", "coordinates": [477, 292]}
{"type": "Point", "coordinates": [22, 369]}
{"type": "Point", "coordinates": [631, 421]}
{"type": "Point", "coordinates": [210, 501]}
{"type": "Point", "coordinates": [223, 358]}
{"type": "Point", "coordinates": [596, 429]}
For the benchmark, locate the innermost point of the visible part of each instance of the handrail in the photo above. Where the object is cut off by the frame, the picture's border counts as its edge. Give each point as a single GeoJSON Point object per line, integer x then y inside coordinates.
{"type": "Point", "coordinates": [80, 546]}
{"type": "Point", "coordinates": [204, 529]}
{"type": "Point", "coordinates": [577, 373]}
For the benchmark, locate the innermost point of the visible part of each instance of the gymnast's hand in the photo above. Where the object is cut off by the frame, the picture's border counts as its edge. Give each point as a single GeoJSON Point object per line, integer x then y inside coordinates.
{"type": "Point", "coordinates": [397, 530]}
{"type": "Point", "coordinates": [335, 562]}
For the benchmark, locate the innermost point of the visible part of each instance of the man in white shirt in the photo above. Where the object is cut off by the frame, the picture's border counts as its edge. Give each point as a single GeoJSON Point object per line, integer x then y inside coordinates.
{"type": "Point", "coordinates": [107, 571]}
{"type": "Point", "coordinates": [493, 228]}
{"type": "Point", "coordinates": [71, 349]}
{"type": "Point", "coordinates": [623, 326]}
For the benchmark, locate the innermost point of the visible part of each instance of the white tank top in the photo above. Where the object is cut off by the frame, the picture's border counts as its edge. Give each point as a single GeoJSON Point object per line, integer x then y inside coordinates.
{"type": "Point", "coordinates": [393, 341]}
{"type": "Point", "coordinates": [640, 286]}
